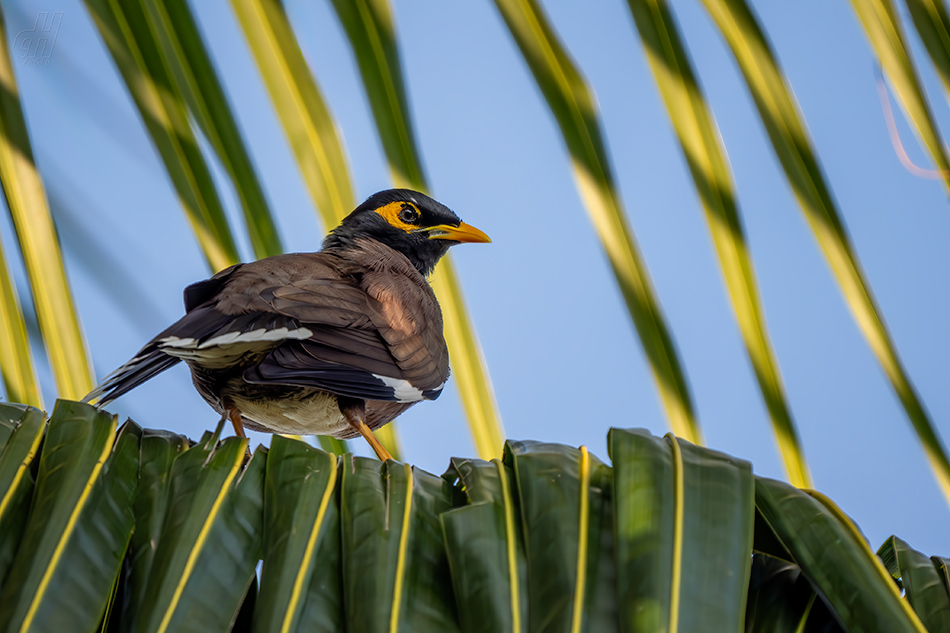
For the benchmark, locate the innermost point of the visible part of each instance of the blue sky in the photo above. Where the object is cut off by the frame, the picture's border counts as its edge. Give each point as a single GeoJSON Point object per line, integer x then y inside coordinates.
{"type": "Point", "coordinates": [563, 355]}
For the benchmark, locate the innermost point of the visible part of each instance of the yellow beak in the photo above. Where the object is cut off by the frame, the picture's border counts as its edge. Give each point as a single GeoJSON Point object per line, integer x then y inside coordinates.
{"type": "Point", "coordinates": [461, 233]}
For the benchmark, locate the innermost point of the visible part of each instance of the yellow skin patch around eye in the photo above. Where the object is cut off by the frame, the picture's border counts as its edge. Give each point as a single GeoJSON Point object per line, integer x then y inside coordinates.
{"type": "Point", "coordinates": [391, 213]}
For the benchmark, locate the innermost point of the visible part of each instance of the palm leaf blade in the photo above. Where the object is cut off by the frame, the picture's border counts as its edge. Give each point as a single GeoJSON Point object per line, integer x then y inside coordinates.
{"type": "Point", "coordinates": [196, 79]}
{"type": "Point", "coordinates": [883, 30]}
{"type": "Point", "coordinates": [16, 359]}
{"type": "Point", "coordinates": [79, 520]}
{"type": "Point", "coordinates": [127, 33]}
{"type": "Point", "coordinates": [684, 518]}
{"type": "Point", "coordinates": [922, 582]}
{"type": "Point", "coordinates": [39, 245]}
{"type": "Point", "coordinates": [16, 480]}
{"type": "Point", "coordinates": [836, 559]}
{"type": "Point", "coordinates": [699, 139]}
{"type": "Point", "coordinates": [572, 104]}
{"type": "Point", "coordinates": [300, 581]}
{"type": "Point", "coordinates": [789, 137]}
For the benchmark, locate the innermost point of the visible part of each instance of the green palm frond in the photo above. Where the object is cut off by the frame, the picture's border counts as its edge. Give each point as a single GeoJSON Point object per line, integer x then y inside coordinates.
{"type": "Point", "coordinates": [39, 246]}
{"type": "Point", "coordinates": [573, 106]}
{"type": "Point", "coordinates": [670, 537]}
{"type": "Point", "coordinates": [699, 139]}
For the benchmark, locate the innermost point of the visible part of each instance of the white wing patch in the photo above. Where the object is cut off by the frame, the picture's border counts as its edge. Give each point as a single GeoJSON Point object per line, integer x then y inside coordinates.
{"type": "Point", "coordinates": [224, 349]}
{"type": "Point", "coordinates": [402, 389]}
{"type": "Point", "coordinates": [229, 338]}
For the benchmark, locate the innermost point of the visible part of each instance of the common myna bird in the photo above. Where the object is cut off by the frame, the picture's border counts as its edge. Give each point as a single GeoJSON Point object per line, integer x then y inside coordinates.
{"type": "Point", "coordinates": [337, 342]}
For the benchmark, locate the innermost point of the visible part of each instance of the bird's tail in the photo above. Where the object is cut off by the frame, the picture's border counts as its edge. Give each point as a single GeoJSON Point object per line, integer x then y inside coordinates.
{"type": "Point", "coordinates": [149, 362]}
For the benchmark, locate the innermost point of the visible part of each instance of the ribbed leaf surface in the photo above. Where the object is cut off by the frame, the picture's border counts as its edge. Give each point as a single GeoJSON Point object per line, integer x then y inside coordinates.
{"type": "Point", "coordinates": [484, 546]}
{"type": "Point", "coordinates": [157, 454]}
{"type": "Point", "coordinates": [781, 600]}
{"type": "Point", "coordinates": [301, 578]}
{"type": "Point", "coordinates": [684, 518]}
{"type": "Point", "coordinates": [209, 542]}
{"type": "Point", "coordinates": [394, 566]}
{"type": "Point", "coordinates": [79, 525]}
{"type": "Point", "coordinates": [565, 496]}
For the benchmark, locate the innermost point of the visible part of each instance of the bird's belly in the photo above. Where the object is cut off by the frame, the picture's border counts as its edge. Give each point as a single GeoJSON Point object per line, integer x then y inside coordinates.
{"type": "Point", "coordinates": [307, 413]}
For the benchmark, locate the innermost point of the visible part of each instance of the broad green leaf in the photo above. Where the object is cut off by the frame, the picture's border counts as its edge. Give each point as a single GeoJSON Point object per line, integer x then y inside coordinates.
{"type": "Point", "coordinates": [210, 539]}
{"type": "Point", "coordinates": [184, 52]}
{"type": "Point", "coordinates": [792, 146]}
{"type": "Point", "coordinates": [16, 359]}
{"type": "Point", "coordinates": [300, 581]}
{"type": "Point", "coordinates": [135, 49]}
{"type": "Point", "coordinates": [16, 478]}
{"type": "Point", "coordinates": [79, 524]}
{"type": "Point", "coordinates": [835, 558]}
{"type": "Point", "coordinates": [156, 456]}
{"type": "Point", "coordinates": [933, 25]}
{"type": "Point", "coordinates": [781, 600]}
{"type": "Point", "coordinates": [483, 544]}
{"type": "Point", "coordinates": [683, 524]}
{"type": "Point", "coordinates": [923, 585]}
{"type": "Point", "coordinates": [566, 512]}
{"type": "Point", "coordinates": [699, 139]}
{"type": "Point", "coordinates": [883, 29]}
{"type": "Point", "coordinates": [574, 108]}
{"type": "Point", "coordinates": [372, 36]}
{"type": "Point", "coordinates": [29, 209]}
{"type": "Point", "coordinates": [390, 526]}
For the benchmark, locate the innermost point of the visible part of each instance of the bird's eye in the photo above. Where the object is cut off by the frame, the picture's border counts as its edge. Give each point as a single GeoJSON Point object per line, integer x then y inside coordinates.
{"type": "Point", "coordinates": [408, 214]}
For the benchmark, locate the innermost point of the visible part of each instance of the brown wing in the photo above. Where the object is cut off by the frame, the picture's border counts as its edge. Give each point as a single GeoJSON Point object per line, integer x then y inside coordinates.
{"type": "Point", "coordinates": [376, 332]}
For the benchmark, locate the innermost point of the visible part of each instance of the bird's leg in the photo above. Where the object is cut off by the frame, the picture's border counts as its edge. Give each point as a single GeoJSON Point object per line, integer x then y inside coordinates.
{"type": "Point", "coordinates": [235, 416]}
{"type": "Point", "coordinates": [354, 410]}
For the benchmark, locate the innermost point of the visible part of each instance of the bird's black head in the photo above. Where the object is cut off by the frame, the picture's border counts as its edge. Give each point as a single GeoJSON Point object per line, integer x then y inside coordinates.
{"type": "Point", "coordinates": [412, 223]}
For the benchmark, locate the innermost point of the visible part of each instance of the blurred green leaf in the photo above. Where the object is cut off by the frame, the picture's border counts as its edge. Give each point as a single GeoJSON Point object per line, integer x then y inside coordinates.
{"type": "Point", "coordinates": [933, 25]}
{"type": "Point", "coordinates": [126, 30]}
{"type": "Point", "coordinates": [39, 245]}
{"type": "Point", "coordinates": [573, 106]}
{"type": "Point", "coordinates": [184, 53]}
{"type": "Point", "coordinates": [16, 359]}
{"type": "Point", "coordinates": [883, 29]}
{"type": "Point", "coordinates": [372, 35]}
{"type": "Point", "coordinates": [79, 524]}
{"type": "Point", "coordinates": [702, 146]}
{"type": "Point", "coordinates": [792, 146]}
